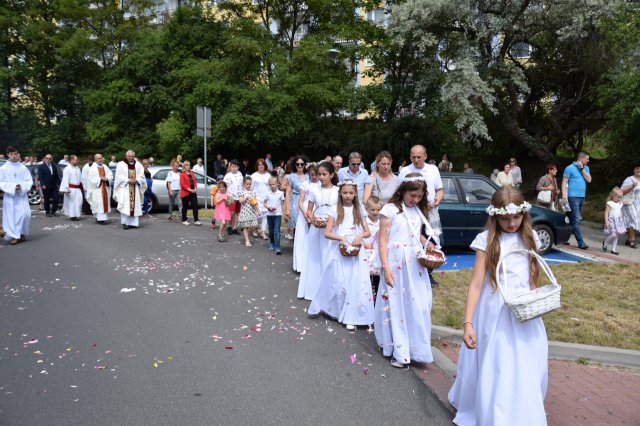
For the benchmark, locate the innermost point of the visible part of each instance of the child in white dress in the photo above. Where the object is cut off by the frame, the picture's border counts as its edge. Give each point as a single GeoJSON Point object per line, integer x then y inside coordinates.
{"type": "Point", "coordinates": [345, 290]}
{"type": "Point", "coordinates": [502, 368]}
{"type": "Point", "coordinates": [302, 226]}
{"type": "Point", "coordinates": [613, 223]}
{"type": "Point", "coordinates": [321, 199]}
{"type": "Point", "coordinates": [371, 256]}
{"type": "Point", "coordinates": [403, 303]}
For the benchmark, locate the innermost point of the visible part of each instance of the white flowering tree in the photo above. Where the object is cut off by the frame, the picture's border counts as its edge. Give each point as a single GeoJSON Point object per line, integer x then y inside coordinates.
{"type": "Point", "coordinates": [534, 64]}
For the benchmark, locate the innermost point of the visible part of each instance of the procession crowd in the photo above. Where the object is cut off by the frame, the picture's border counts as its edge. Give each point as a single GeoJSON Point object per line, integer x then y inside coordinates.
{"type": "Point", "coordinates": [364, 245]}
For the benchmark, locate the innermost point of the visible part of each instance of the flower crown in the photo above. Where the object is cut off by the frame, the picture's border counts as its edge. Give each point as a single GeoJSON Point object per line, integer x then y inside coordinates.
{"type": "Point", "coordinates": [509, 209]}
{"type": "Point", "coordinates": [346, 182]}
{"type": "Point", "coordinates": [414, 179]}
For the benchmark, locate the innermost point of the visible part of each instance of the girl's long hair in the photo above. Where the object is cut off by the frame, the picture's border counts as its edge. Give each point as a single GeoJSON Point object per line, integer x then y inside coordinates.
{"type": "Point", "coordinates": [357, 214]}
{"type": "Point", "coordinates": [416, 185]}
{"type": "Point", "coordinates": [501, 198]}
{"type": "Point", "coordinates": [614, 191]}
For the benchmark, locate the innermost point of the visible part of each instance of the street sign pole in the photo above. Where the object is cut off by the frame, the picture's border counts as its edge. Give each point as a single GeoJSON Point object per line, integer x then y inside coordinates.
{"type": "Point", "coordinates": [203, 128]}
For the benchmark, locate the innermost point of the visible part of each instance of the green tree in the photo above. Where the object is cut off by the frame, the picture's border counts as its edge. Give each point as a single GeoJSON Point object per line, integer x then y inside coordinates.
{"type": "Point", "coordinates": [535, 64]}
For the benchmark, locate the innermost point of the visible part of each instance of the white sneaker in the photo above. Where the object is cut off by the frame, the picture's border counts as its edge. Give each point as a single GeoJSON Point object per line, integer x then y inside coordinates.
{"type": "Point", "coordinates": [289, 236]}
{"type": "Point", "coordinates": [397, 364]}
{"type": "Point", "coordinates": [198, 223]}
{"type": "Point", "coordinates": [350, 327]}
{"type": "Point", "coordinates": [185, 222]}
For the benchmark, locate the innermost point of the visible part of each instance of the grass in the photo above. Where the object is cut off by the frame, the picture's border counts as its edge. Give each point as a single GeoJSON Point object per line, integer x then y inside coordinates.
{"type": "Point", "coordinates": [599, 304]}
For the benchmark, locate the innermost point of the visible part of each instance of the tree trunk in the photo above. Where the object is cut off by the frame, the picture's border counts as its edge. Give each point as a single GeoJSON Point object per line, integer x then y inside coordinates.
{"type": "Point", "coordinates": [536, 147]}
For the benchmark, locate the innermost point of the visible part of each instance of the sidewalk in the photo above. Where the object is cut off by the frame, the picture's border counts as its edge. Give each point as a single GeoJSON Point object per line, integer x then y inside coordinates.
{"type": "Point", "coordinates": [578, 394]}
{"type": "Point", "coordinates": [594, 236]}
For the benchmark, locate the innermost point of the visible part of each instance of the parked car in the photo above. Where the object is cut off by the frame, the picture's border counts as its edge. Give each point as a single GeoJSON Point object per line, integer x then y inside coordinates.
{"type": "Point", "coordinates": [34, 194]}
{"type": "Point", "coordinates": [463, 214]}
{"type": "Point", "coordinates": [159, 193]}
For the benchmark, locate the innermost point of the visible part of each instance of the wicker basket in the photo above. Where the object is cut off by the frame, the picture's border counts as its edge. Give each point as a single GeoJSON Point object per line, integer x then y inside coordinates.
{"type": "Point", "coordinates": [533, 303]}
{"type": "Point", "coordinates": [320, 223]}
{"type": "Point", "coordinates": [350, 250]}
{"type": "Point", "coordinates": [431, 258]}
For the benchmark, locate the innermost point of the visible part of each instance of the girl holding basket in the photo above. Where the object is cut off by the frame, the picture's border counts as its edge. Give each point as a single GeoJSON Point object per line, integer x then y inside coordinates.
{"type": "Point", "coordinates": [345, 290]}
{"type": "Point", "coordinates": [502, 369]}
{"type": "Point", "coordinates": [321, 200]}
{"type": "Point", "coordinates": [403, 303]}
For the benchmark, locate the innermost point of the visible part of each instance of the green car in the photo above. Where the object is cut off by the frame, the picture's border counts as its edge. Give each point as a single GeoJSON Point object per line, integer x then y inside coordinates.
{"type": "Point", "coordinates": [463, 215]}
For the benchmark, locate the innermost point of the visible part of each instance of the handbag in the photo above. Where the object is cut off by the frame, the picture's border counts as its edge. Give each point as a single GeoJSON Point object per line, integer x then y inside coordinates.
{"type": "Point", "coordinates": [544, 197]}
{"type": "Point", "coordinates": [629, 197]}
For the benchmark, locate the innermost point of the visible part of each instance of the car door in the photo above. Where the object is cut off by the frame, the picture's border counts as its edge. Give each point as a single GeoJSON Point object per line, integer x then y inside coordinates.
{"type": "Point", "coordinates": [159, 187]}
{"type": "Point", "coordinates": [202, 190]}
{"type": "Point", "coordinates": [452, 213]}
{"type": "Point", "coordinates": [476, 193]}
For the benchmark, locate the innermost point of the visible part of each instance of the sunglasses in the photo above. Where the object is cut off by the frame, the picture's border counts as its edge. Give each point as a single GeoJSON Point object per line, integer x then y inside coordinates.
{"type": "Point", "coordinates": [300, 164]}
{"type": "Point", "coordinates": [512, 161]}
{"type": "Point", "coordinates": [355, 164]}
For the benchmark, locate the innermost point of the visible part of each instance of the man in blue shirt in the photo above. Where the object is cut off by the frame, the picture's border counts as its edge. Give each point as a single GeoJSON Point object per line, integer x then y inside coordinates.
{"type": "Point", "coordinates": [355, 173]}
{"type": "Point", "coordinates": [575, 178]}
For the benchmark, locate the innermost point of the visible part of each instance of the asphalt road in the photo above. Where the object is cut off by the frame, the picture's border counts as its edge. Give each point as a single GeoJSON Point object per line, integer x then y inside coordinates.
{"type": "Point", "coordinates": [163, 325]}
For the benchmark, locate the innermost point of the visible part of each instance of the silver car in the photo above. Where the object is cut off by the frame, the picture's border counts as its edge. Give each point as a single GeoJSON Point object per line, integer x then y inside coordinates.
{"type": "Point", "coordinates": [160, 194]}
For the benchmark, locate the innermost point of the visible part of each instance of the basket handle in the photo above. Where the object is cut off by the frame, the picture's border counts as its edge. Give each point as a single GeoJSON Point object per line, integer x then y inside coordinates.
{"type": "Point", "coordinates": [504, 287]}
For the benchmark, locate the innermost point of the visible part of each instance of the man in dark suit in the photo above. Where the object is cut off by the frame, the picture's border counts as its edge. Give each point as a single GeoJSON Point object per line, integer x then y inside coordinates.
{"type": "Point", "coordinates": [49, 182]}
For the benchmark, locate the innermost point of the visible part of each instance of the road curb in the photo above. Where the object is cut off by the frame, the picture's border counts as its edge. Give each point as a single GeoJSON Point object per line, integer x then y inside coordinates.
{"type": "Point", "coordinates": [557, 350]}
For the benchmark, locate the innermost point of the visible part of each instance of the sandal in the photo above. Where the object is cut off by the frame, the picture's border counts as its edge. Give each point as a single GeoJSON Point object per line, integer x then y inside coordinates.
{"type": "Point", "coordinates": [14, 242]}
{"type": "Point", "coordinates": [247, 244]}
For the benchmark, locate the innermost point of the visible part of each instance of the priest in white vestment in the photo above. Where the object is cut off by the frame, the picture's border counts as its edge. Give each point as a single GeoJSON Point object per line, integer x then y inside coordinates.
{"type": "Point", "coordinates": [15, 182]}
{"type": "Point", "coordinates": [128, 190]}
{"type": "Point", "coordinates": [72, 188]}
{"type": "Point", "coordinates": [98, 179]}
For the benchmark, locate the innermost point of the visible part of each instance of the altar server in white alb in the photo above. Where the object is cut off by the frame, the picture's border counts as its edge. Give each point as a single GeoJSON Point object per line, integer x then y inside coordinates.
{"type": "Point", "coordinates": [72, 188]}
{"type": "Point", "coordinates": [129, 187]}
{"type": "Point", "coordinates": [503, 368]}
{"type": "Point", "coordinates": [99, 179]}
{"type": "Point", "coordinates": [15, 182]}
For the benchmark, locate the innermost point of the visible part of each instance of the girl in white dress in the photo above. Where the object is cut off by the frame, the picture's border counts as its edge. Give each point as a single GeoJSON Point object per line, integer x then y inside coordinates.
{"type": "Point", "coordinates": [302, 225]}
{"type": "Point", "coordinates": [321, 199]}
{"type": "Point", "coordinates": [502, 369]}
{"type": "Point", "coordinates": [345, 290]}
{"type": "Point", "coordinates": [403, 303]}
{"type": "Point", "coordinates": [614, 224]}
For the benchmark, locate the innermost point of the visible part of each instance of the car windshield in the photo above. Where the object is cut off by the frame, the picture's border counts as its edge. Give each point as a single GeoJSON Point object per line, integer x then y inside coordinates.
{"type": "Point", "coordinates": [477, 191]}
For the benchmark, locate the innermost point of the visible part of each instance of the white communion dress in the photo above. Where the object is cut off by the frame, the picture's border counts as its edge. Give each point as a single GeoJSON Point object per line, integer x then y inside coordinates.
{"type": "Point", "coordinates": [504, 380]}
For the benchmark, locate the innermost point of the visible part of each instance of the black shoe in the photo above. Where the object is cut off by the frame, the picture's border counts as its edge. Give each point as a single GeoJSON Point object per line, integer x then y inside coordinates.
{"type": "Point", "coordinates": [49, 215]}
{"type": "Point", "coordinates": [604, 247]}
{"type": "Point", "coordinates": [75, 219]}
{"type": "Point", "coordinates": [583, 246]}
{"type": "Point", "coordinates": [54, 214]}
{"type": "Point", "coordinates": [626, 243]}
{"type": "Point", "coordinates": [103, 222]}
{"type": "Point", "coordinates": [615, 252]}
{"type": "Point", "coordinates": [125, 226]}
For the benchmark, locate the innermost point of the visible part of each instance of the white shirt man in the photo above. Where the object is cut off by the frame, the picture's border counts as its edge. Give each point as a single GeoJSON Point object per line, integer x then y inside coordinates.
{"type": "Point", "coordinates": [71, 186]}
{"type": "Point", "coordinates": [198, 167]}
{"type": "Point", "coordinates": [64, 161]}
{"type": "Point", "coordinates": [15, 182]}
{"type": "Point", "coordinates": [113, 162]}
{"type": "Point", "coordinates": [98, 189]}
{"type": "Point", "coordinates": [128, 190]}
{"type": "Point", "coordinates": [267, 159]}
{"type": "Point", "coordinates": [435, 190]}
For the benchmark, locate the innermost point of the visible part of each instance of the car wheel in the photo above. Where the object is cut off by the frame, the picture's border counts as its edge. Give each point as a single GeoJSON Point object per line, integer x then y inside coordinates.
{"type": "Point", "coordinates": [545, 235]}
{"type": "Point", "coordinates": [34, 197]}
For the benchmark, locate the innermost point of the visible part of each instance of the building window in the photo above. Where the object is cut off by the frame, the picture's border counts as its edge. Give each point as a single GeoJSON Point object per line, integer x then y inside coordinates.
{"type": "Point", "coordinates": [521, 50]}
{"type": "Point", "coordinates": [377, 16]}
